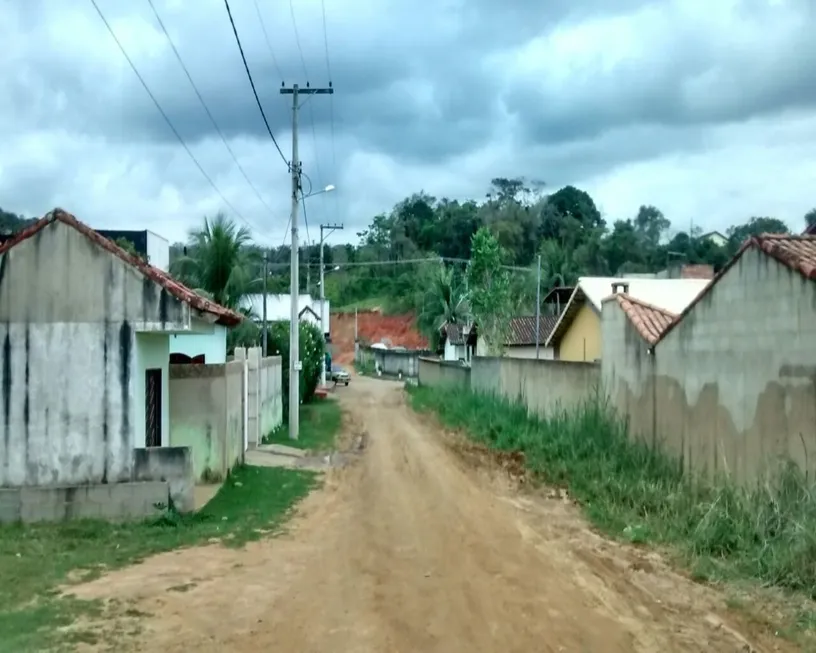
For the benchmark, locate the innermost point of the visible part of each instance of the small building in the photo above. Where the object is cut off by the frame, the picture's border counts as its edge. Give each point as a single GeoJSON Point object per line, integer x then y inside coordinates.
{"type": "Point", "coordinates": [86, 330]}
{"type": "Point", "coordinates": [521, 337]}
{"type": "Point", "coordinates": [576, 335]}
{"type": "Point", "coordinates": [458, 342]}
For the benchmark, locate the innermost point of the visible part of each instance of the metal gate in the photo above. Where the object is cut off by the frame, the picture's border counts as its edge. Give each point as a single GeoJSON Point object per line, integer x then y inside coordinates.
{"type": "Point", "coordinates": [153, 408]}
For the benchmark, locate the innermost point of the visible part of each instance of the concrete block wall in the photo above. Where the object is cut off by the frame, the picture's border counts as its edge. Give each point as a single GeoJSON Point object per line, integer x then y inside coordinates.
{"type": "Point", "coordinates": [436, 373]}
{"type": "Point", "coordinates": [541, 385]}
{"type": "Point", "coordinates": [172, 466]}
{"type": "Point", "coordinates": [113, 501]}
{"type": "Point", "coordinates": [271, 394]}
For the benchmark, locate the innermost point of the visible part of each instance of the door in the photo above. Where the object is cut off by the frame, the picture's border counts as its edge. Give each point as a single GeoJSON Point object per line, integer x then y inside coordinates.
{"type": "Point", "coordinates": [153, 408]}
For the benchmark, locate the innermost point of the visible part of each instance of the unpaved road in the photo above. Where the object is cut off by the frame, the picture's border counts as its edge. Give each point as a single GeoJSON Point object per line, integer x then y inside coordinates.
{"type": "Point", "coordinates": [414, 549]}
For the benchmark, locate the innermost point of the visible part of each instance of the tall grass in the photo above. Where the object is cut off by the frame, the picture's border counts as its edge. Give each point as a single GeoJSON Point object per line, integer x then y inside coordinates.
{"type": "Point", "coordinates": [766, 533]}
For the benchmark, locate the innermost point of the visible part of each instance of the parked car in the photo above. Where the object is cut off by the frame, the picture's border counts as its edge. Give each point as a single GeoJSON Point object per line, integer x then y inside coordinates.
{"type": "Point", "coordinates": [339, 375]}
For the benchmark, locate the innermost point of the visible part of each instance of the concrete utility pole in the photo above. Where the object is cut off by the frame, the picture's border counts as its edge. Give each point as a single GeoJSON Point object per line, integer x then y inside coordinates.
{"type": "Point", "coordinates": [538, 305]}
{"type": "Point", "coordinates": [294, 287]}
{"type": "Point", "coordinates": [329, 228]}
{"type": "Point", "coordinates": [265, 283]}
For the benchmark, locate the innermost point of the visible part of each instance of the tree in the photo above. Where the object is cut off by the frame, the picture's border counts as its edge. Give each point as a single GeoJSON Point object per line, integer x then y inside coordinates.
{"type": "Point", "coordinates": [810, 217]}
{"type": "Point", "coordinates": [650, 225]}
{"type": "Point", "coordinates": [489, 290]}
{"type": "Point", "coordinates": [217, 262]}
{"type": "Point", "coordinates": [738, 234]}
{"type": "Point", "coordinates": [445, 302]}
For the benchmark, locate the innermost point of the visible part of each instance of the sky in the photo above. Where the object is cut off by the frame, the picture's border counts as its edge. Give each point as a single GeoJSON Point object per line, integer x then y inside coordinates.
{"type": "Point", "coordinates": [703, 109]}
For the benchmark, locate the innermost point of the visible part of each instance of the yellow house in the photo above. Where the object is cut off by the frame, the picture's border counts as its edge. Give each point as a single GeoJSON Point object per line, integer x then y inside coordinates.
{"type": "Point", "coordinates": [577, 334]}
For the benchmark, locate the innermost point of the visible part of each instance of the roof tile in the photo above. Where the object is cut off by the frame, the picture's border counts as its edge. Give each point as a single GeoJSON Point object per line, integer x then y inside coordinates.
{"type": "Point", "coordinates": [171, 285]}
{"type": "Point", "coordinates": [649, 320]}
{"type": "Point", "coordinates": [523, 330]}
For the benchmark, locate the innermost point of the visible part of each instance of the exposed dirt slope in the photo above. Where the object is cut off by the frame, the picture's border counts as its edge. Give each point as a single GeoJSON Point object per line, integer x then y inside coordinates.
{"type": "Point", "coordinates": [373, 326]}
{"type": "Point", "coordinates": [422, 547]}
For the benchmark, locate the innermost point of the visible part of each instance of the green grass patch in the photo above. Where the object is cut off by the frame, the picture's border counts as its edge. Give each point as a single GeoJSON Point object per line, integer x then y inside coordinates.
{"type": "Point", "coordinates": [766, 534]}
{"type": "Point", "coordinates": [35, 559]}
{"type": "Point", "coordinates": [320, 422]}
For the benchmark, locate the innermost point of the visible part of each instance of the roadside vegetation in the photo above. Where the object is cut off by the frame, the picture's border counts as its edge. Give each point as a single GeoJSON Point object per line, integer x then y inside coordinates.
{"type": "Point", "coordinates": [766, 535]}
{"type": "Point", "coordinates": [36, 559]}
{"type": "Point", "coordinates": [320, 423]}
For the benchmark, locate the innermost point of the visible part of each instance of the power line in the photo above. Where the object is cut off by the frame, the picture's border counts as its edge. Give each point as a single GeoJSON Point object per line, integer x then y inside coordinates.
{"type": "Point", "coordinates": [204, 104]}
{"type": "Point", "coordinates": [268, 42]}
{"type": "Point", "coordinates": [252, 83]}
{"type": "Point", "coordinates": [297, 39]}
{"type": "Point", "coordinates": [164, 115]}
{"type": "Point", "coordinates": [331, 100]}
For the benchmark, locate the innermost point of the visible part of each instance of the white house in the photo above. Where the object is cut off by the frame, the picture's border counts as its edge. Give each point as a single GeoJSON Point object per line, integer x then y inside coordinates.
{"type": "Point", "coordinates": [86, 331]}
{"type": "Point", "coordinates": [278, 309]}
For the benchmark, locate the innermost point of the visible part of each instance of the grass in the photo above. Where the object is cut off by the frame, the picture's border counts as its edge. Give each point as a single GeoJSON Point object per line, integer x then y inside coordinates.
{"type": "Point", "coordinates": [766, 534]}
{"type": "Point", "coordinates": [36, 559]}
{"type": "Point", "coordinates": [320, 422]}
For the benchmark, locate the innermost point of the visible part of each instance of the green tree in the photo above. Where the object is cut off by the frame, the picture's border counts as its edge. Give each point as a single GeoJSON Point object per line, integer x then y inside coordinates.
{"type": "Point", "coordinates": [445, 301]}
{"type": "Point", "coordinates": [489, 290]}
{"type": "Point", "coordinates": [810, 217]}
{"type": "Point", "coordinates": [312, 351]}
{"type": "Point", "coordinates": [738, 234]}
{"type": "Point", "coordinates": [217, 262]}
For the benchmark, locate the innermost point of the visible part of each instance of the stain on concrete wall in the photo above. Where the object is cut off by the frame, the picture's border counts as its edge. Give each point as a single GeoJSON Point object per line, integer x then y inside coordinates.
{"type": "Point", "coordinates": [448, 374]}
{"type": "Point", "coordinates": [69, 313]}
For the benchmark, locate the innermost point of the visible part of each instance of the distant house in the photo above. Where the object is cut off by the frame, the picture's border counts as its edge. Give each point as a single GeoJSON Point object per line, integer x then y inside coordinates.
{"type": "Point", "coordinates": [278, 309]}
{"type": "Point", "coordinates": [715, 237]}
{"type": "Point", "coordinates": [576, 335]}
{"type": "Point", "coordinates": [86, 329]}
{"type": "Point", "coordinates": [520, 339]}
{"type": "Point", "coordinates": [458, 342]}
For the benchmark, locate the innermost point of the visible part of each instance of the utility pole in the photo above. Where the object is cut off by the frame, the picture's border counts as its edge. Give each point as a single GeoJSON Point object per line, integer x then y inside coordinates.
{"type": "Point", "coordinates": [538, 306]}
{"type": "Point", "coordinates": [294, 287]}
{"type": "Point", "coordinates": [265, 284]}
{"type": "Point", "coordinates": [329, 228]}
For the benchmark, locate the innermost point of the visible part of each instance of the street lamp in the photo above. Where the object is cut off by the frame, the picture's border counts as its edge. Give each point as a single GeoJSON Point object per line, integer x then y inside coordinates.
{"type": "Point", "coordinates": [327, 189]}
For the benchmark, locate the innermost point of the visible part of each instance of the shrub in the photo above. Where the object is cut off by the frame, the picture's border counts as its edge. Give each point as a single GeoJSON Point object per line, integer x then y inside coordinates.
{"type": "Point", "coordinates": [312, 352]}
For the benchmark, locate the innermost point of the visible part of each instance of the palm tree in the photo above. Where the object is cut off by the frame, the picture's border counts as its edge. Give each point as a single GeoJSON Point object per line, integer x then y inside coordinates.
{"type": "Point", "coordinates": [216, 262]}
{"type": "Point", "coordinates": [445, 302]}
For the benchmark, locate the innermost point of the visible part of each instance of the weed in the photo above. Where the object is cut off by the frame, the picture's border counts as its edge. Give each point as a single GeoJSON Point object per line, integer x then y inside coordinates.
{"type": "Point", "coordinates": [766, 533]}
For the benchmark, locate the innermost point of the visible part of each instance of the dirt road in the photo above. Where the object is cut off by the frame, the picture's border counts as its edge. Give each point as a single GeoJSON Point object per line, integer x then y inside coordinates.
{"type": "Point", "coordinates": [414, 549]}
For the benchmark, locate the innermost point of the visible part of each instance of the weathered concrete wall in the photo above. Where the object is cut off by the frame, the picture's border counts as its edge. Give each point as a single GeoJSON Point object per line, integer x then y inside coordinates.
{"type": "Point", "coordinates": [734, 383]}
{"type": "Point", "coordinates": [529, 351]}
{"type": "Point", "coordinates": [271, 394]}
{"type": "Point", "coordinates": [392, 363]}
{"type": "Point", "coordinates": [541, 385]}
{"type": "Point", "coordinates": [170, 465]}
{"type": "Point", "coordinates": [113, 501]}
{"type": "Point", "coordinates": [234, 404]}
{"type": "Point", "coordinates": [627, 372]}
{"type": "Point", "coordinates": [449, 374]}
{"type": "Point", "coordinates": [198, 416]}
{"type": "Point", "coordinates": [69, 312]}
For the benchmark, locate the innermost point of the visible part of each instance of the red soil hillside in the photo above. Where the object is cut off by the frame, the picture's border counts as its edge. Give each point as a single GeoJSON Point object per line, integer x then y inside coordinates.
{"type": "Point", "coordinates": [373, 327]}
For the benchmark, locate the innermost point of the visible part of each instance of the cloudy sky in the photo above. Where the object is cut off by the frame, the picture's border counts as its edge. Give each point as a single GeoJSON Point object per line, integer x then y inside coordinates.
{"type": "Point", "coordinates": [705, 109]}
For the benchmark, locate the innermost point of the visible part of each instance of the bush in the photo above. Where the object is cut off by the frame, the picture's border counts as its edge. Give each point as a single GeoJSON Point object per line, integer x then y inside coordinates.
{"type": "Point", "coordinates": [767, 532]}
{"type": "Point", "coordinates": [312, 352]}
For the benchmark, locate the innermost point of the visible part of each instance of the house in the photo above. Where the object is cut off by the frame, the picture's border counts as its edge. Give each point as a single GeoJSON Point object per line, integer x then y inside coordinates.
{"type": "Point", "coordinates": [278, 309]}
{"type": "Point", "coordinates": [521, 337]}
{"type": "Point", "coordinates": [715, 237]}
{"type": "Point", "coordinates": [727, 387]}
{"type": "Point", "coordinates": [86, 331]}
{"type": "Point", "coordinates": [458, 342]}
{"type": "Point", "coordinates": [576, 335]}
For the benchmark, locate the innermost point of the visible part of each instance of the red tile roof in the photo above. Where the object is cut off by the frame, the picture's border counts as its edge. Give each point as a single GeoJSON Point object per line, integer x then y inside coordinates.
{"type": "Point", "coordinates": [649, 320]}
{"type": "Point", "coordinates": [796, 252]}
{"type": "Point", "coordinates": [175, 288]}
{"type": "Point", "coordinates": [522, 330]}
